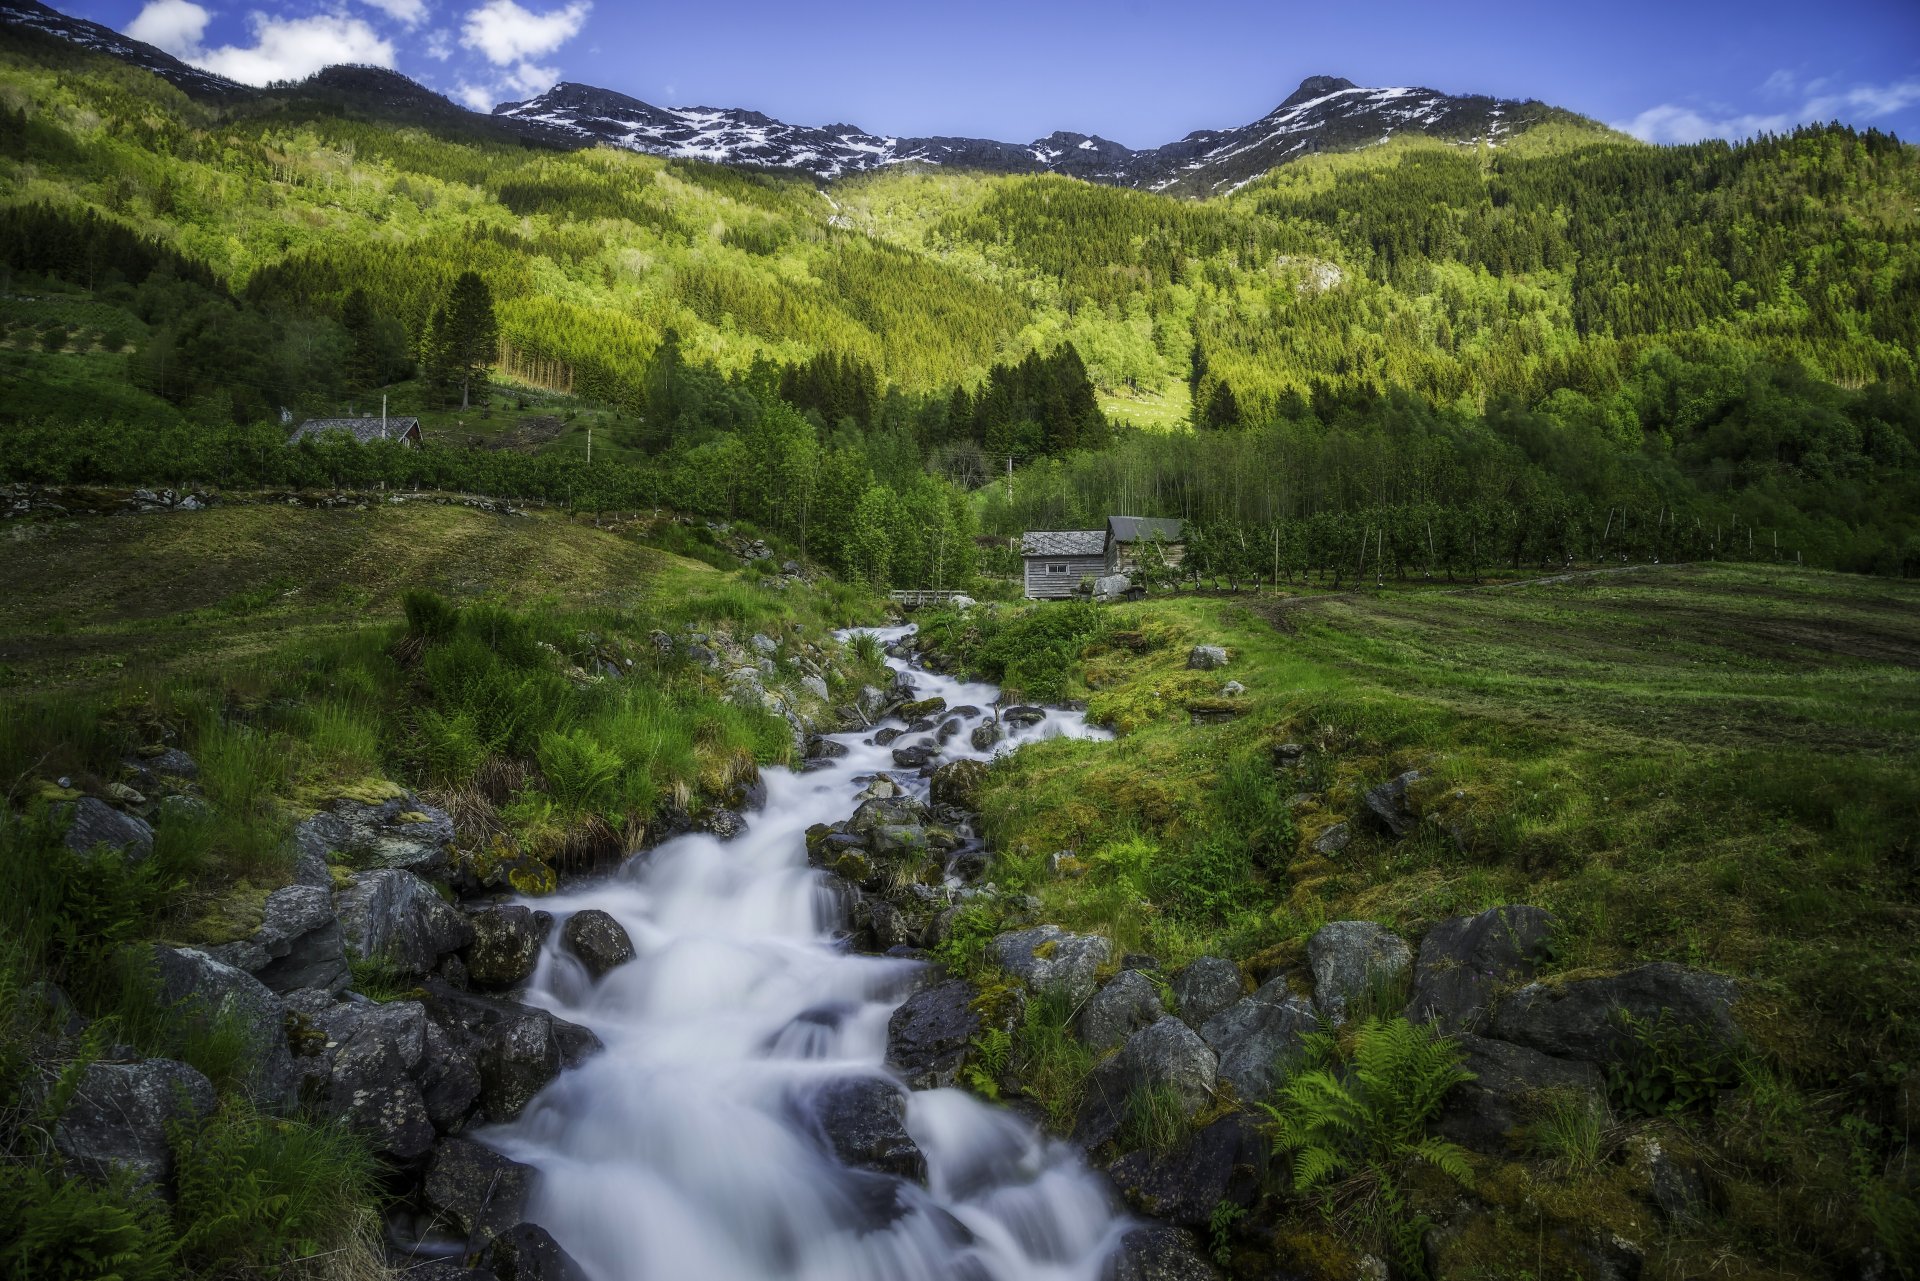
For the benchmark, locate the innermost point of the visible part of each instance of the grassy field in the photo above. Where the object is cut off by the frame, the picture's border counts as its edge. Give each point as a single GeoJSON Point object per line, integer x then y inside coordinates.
{"type": "Point", "coordinates": [1709, 765]}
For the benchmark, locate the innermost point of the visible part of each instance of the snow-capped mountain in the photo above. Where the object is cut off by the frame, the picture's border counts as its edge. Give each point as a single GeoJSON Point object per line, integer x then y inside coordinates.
{"type": "Point", "coordinates": [1325, 113]}
{"type": "Point", "coordinates": [31, 16]}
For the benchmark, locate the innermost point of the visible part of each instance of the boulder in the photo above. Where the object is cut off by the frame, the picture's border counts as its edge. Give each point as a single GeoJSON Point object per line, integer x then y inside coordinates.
{"type": "Point", "coordinates": [929, 1035]}
{"type": "Point", "coordinates": [1583, 1018]}
{"type": "Point", "coordinates": [1126, 1004]}
{"type": "Point", "coordinates": [722, 823]}
{"type": "Point", "coordinates": [371, 1061]}
{"type": "Point", "coordinates": [1510, 1085]}
{"type": "Point", "coordinates": [924, 708]}
{"type": "Point", "coordinates": [1205, 988]}
{"type": "Point", "coordinates": [863, 1122]}
{"type": "Point", "coordinates": [481, 1193]}
{"type": "Point", "coordinates": [1464, 962]}
{"type": "Point", "coordinates": [1023, 715]}
{"type": "Point", "coordinates": [1351, 957]}
{"type": "Point", "coordinates": [820, 748]}
{"type": "Point", "coordinates": [299, 943]}
{"type": "Point", "coordinates": [400, 832]}
{"type": "Point", "coordinates": [1254, 1034]}
{"type": "Point", "coordinates": [764, 644]}
{"type": "Point", "coordinates": [1169, 1056]}
{"type": "Point", "coordinates": [959, 783]}
{"type": "Point", "coordinates": [1184, 1184]}
{"type": "Point", "coordinates": [915, 756]}
{"type": "Point", "coordinates": [392, 915]}
{"type": "Point", "coordinates": [171, 762]}
{"type": "Point", "coordinates": [598, 940]}
{"type": "Point", "coordinates": [985, 735]}
{"type": "Point", "coordinates": [1232, 689]}
{"type": "Point", "coordinates": [214, 992]}
{"type": "Point", "coordinates": [1111, 587]}
{"type": "Point", "coordinates": [506, 945]}
{"type": "Point", "coordinates": [95, 823]}
{"type": "Point", "coordinates": [1206, 658]}
{"type": "Point", "coordinates": [1333, 840]}
{"type": "Point", "coordinates": [1156, 1252]}
{"type": "Point", "coordinates": [1048, 959]}
{"type": "Point", "coordinates": [515, 1049]}
{"type": "Point", "coordinates": [883, 737]}
{"type": "Point", "coordinates": [1675, 1187]}
{"type": "Point", "coordinates": [118, 1116]}
{"type": "Point", "coordinates": [1388, 804]}
{"type": "Point", "coordinates": [528, 1252]}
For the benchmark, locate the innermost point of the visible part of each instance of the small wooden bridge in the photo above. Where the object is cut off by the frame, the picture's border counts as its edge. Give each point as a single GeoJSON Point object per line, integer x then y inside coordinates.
{"type": "Point", "coordinates": [914, 598]}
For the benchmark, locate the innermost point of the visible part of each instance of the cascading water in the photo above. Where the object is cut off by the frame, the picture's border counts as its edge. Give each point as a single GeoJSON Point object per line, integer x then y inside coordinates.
{"type": "Point", "coordinates": [684, 1151]}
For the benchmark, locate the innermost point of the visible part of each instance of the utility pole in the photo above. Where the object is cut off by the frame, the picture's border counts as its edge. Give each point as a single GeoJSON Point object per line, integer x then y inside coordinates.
{"type": "Point", "coordinates": [1009, 477]}
{"type": "Point", "coordinates": [383, 415]}
{"type": "Point", "coordinates": [589, 444]}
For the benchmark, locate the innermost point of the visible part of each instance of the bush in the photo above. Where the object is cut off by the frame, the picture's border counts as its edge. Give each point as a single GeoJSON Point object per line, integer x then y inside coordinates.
{"type": "Point", "coordinates": [1668, 1068]}
{"type": "Point", "coordinates": [580, 772]}
{"type": "Point", "coordinates": [430, 617]}
{"type": "Point", "coordinates": [58, 1229]}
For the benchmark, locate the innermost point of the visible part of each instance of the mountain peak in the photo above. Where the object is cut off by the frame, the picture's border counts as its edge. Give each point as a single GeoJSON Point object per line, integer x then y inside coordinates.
{"type": "Point", "coordinates": [1317, 87]}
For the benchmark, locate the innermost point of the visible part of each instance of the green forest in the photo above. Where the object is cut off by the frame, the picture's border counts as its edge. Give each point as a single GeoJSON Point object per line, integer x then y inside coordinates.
{"type": "Point", "coordinates": [1570, 347]}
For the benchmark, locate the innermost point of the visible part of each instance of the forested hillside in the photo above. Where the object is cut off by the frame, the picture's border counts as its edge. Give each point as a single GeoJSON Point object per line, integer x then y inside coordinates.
{"type": "Point", "coordinates": [1570, 324]}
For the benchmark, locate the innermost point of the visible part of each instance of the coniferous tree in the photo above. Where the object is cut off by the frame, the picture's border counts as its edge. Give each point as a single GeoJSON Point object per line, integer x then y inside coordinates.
{"type": "Point", "coordinates": [463, 340]}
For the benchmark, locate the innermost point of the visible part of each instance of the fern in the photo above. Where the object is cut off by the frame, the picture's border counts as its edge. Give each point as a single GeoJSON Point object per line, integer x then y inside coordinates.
{"type": "Point", "coordinates": [1352, 1124]}
{"type": "Point", "coordinates": [580, 772]}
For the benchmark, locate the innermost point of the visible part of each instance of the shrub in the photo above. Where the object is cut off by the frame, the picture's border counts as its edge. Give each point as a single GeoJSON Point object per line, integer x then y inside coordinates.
{"type": "Point", "coordinates": [430, 617]}
{"type": "Point", "coordinates": [57, 1229]}
{"type": "Point", "coordinates": [1351, 1122]}
{"type": "Point", "coordinates": [580, 772]}
{"type": "Point", "coordinates": [1667, 1068]}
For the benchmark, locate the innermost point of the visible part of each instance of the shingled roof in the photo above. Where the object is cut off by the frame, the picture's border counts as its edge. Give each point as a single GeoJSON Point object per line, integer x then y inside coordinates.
{"type": "Point", "coordinates": [361, 429]}
{"type": "Point", "coordinates": [1140, 529]}
{"type": "Point", "coordinates": [1064, 542]}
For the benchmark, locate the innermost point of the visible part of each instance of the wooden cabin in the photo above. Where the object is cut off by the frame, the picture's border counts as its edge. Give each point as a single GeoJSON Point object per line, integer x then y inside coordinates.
{"type": "Point", "coordinates": [405, 430]}
{"type": "Point", "coordinates": [1056, 560]}
{"type": "Point", "coordinates": [1125, 534]}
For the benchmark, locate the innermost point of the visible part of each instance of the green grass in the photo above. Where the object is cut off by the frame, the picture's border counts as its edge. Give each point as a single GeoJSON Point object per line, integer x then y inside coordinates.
{"type": "Point", "coordinates": [1709, 765]}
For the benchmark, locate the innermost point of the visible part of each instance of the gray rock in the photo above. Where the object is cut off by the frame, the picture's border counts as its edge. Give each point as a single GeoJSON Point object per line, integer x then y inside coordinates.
{"type": "Point", "coordinates": [929, 1035]}
{"type": "Point", "coordinates": [1465, 961]}
{"type": "Point", "coordinates": [764, 643]}
{"type": "Point", "coordinates": [598, 940]}
{"type": "Point", "coordinates": [118, 1116]}
{"type": "Point", "coordinates": [401, 832]}
{"type": "Point", "coordinates": [1232, 689]}
{"type": "Point", "coordinates": [1111, 587]}
{"type": "Point", "coordinates": [1048, 959]}
{"type": "Point", "coordinates": [872, 701]}
{"type": "Point", "coordinates": [817, 687]}
{"type": "Point", "coordinates": [449, 1080]}
{"type": "Point", "coordinates": [1388, 804]}
{"type": "Point", "coordinates": [958, 783]}
{"type": "Point", "coordinates": [1206, 658]}
{"type": "Point", "coordinates": [1348, 958]}
{"type": "Point", "coordinates": [372, 1058]}
{"type": "Point", "coordinates": [481, 1193]}
{"type": "Point", "coordinates": [863, 1121]}
{"type": "Point", "coordinates": [916, 755]}
{"type": "Point", "coordinates": [1168, 1055]}
{"type": "Point", "coordinates": [394, 916]}
{"type": "Point", "coordinates": [1185, 1183]}
{"type": "Point", "coordinates": [217, 993]}
{"type": "Point", "coordinates": [1156, 1252]}
{"type": "Point", "coordinates": [96, 823]}
{"type": "Point", "coordinates": [1333, 840]}
{"type": "Point", "coordinates": [1511, 1085]}
{"type": "Point", "coordinates": [724, 824]}
{"type": "Point", "coordinates": [173, 763]}
{"type": "Point", "coordinates": [1023, 715]}
{"type": "Point", "coordinates": [1205, 988]}
{"type": "Point", "coordinates": [985, 735]}
{"type": "Point", "coordinates": [1676, 1188]}
{"type": "Point", "coordinates": [1582, 1019]}
{"type": "Point", "coordinates": [528, 1252]}
{"type": "Point", "coordinates": [181, 808]}
{"type": "Point", "coordinates": [516, 1050]}
{"type": "Point", "coordinates": [1126, 1004]}
{"type": "Point", "coordinates": [299, 943]}
{"type": "Point", "coordinates": [1255, 1034]}
{"type": "Point", "coordinates": [506, 945]}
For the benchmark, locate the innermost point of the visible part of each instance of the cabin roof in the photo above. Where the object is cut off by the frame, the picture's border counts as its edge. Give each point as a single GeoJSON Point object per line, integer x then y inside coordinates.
{"type": "Point", "coordinates": [361, 429]}
{"type": "Point", "coordinates": [1140, 529]}
{"type": "Point", "coordinates": [1064, 542]}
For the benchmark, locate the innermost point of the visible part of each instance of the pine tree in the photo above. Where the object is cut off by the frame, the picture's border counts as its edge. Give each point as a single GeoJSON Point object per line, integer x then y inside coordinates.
{"type": "Point", "coordinates": [1223, 409]}
{"type": "Point", "coordinates": [463, 339]}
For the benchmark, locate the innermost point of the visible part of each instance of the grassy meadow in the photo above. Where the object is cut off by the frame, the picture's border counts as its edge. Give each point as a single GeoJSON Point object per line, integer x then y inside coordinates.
{"type": "Point", "coordinates": [1709, 765]}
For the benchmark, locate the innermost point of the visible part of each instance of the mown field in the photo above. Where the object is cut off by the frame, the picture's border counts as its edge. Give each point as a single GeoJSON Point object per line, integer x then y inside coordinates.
{"type": "Point", "coordinates": [1709, 765]}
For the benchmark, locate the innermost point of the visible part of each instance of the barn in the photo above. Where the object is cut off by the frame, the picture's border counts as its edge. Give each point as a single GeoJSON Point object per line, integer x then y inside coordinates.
{"type": "Point", "coordinates": [405, 430]}
{"type": "Point", "coordinates": [1126, 535]}
{"type": "Point", "coordinates": [1056, 560]}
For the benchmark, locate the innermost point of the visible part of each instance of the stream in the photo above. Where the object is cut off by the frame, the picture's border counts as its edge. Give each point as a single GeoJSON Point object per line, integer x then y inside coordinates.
{"type": "Point", "coordinates": [685, 1151]}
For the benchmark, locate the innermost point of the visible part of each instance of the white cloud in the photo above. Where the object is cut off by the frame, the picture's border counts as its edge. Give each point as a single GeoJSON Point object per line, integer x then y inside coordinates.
{"type": "Point", "coordinates": [1780, 84]}
{"type": "Point", "coordinates": [173, 25]}
{"type": "Point", "coordinates": [410, 13]}
{"type": "Point", "coordinates": [1671, 123]}
{"type": "Point", "coordinates": [475, 96]}
{"type": "Point", "coordinates": [439, 45]}
{"type": "Point", "coordinates": [504, 33]}
{"type": "Point", "coordinates": [530, 80]}
{"type": "Point", "coordinates": [293, 48]}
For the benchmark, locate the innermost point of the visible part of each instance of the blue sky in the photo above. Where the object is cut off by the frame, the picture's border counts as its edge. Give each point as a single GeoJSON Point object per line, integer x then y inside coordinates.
{"type": "Point", "coordinates": [1136, 71]}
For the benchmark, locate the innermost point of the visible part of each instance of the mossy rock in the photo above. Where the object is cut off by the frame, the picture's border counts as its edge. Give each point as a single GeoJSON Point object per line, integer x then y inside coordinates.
{"type": "Point", "coordinates": [925, 707]}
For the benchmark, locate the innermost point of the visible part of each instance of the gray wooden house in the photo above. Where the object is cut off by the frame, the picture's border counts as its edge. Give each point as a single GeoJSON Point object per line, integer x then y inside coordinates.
{"type": "Point", "coordinates": [405, 430]}
{"type": "Point", "coordinates": [1056, 560]}
{"type": "Point", "coordinates": [1125, 534]}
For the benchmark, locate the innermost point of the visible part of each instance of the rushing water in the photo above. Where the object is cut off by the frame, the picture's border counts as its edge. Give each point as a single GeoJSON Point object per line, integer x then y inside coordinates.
{"type": "Point", "coordinates": [684, 1151]}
